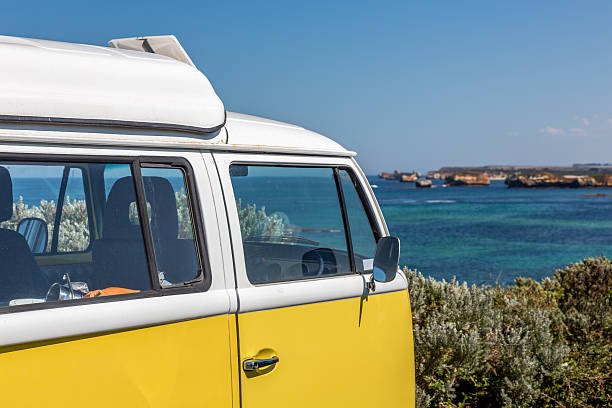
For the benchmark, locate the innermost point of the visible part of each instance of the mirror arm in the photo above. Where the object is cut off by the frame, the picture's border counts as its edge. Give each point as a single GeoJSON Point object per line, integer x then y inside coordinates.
{"type": "Point", "coordinates": [371, 285]}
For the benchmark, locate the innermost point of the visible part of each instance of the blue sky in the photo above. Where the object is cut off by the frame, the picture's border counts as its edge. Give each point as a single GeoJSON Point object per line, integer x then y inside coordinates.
{"type": "Point", "coordinates": [407, 85]}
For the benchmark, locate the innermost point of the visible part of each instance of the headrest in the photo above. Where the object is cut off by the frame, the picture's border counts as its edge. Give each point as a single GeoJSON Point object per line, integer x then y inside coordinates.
{"type": "Point", "coordinates": [6, 195]}
{"type": "Point", "coordinates": [164, 217]}
{"type": "Point", "coordinates": [160, 196]}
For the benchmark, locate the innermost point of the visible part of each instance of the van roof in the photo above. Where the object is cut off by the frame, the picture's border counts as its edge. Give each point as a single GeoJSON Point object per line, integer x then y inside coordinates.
{"type": "Point", "coordinates": [49, 81]}
{"type": "Point", "coordinates": [54, 88]}
{"type": "Point", "coordinates": [246, 130]}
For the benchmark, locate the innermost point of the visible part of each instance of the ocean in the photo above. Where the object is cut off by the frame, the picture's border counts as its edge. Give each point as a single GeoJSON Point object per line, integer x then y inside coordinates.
{"type": "Point", "coordinates": [494, 234]}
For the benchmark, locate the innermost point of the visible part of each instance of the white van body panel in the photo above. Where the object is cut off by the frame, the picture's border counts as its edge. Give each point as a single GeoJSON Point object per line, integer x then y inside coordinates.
{"type": "Point", "coordinates": [259, 134]}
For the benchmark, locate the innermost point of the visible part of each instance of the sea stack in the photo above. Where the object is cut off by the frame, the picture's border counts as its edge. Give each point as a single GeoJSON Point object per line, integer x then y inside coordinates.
{"type": "Point", "coordinates": [467, 179]}
{"type": "Point", "coordinates": [423, 183]}
{"type": "Point", "coordinates": [408, 177]}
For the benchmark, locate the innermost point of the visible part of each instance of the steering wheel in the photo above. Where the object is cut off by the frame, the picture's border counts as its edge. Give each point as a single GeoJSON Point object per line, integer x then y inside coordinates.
{"type": "Point", "coordinates": [54, 292]}
{"type": "Point", "coordinates": [313, 264]}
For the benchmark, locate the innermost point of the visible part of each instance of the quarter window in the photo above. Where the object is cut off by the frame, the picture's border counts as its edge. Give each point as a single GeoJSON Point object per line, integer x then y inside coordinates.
{"type": "Point", "coordinates": [171, 225]}
{"type": "Point", "coordinates": [362, 235]}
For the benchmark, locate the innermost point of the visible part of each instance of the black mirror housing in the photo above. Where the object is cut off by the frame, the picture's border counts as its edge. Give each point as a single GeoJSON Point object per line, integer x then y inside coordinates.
{"type": "Point", "coordinates": [386, 260]}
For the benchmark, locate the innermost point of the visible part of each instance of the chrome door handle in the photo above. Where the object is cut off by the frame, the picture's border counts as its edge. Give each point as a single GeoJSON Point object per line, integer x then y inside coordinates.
{"type": "Point", "coordinates": [250, 365]}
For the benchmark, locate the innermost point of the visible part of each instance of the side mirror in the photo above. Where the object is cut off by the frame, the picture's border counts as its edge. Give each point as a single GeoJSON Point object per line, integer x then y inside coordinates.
{"type": "Point", "coordinates": [386, 259]}
{"type": "Point", "coordinates": [35, 233]}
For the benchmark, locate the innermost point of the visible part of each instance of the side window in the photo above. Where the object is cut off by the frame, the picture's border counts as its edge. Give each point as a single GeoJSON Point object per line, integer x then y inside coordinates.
{"type": "Point", "coordinates": [73, 233]}
{"type": "Point", "coordinates": [29, 195]}
{"type": "Point", "coordinates": [99, 246]}
{"type": "Point", "coordinates": [170, 218]}
{"type": "Point", "coordinates": [291, 222]}
{"type": "Point", "coordinates": [362, 234]}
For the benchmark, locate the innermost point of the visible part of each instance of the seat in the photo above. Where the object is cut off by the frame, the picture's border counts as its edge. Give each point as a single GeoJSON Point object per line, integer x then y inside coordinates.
{"type": "Point", "coordinates": [20, 275]}
{"type": "Point", "coordinates": [119, 257]}
{"type": "Point", "coordinates": [175, 257]}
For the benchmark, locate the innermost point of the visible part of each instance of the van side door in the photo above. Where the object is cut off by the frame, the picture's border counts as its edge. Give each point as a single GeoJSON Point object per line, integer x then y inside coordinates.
{"type": "Point", "coordinates": [311, 334]}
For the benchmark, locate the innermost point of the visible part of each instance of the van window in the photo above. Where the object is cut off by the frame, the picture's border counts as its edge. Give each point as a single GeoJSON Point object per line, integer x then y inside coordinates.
{"type": "Point", "coordinates": [171, 225]}
{"type": "Point", "coordinates": [362, 233]}
{"type": "Point", "coordinates": [32, 269]}
{"type": "Point", "coordinates": [71, 231]}
{"type": "Point", "coordinates": [291, 222]}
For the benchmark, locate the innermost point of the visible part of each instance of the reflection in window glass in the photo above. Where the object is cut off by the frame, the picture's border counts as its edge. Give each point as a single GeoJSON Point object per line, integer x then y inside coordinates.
{"type": "Point", "coordinates": [73, 234]}
{"type": "Point", "coordinates": [290, 221]}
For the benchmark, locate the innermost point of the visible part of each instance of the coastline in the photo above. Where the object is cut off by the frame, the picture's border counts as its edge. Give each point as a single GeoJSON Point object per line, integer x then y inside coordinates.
{"type": "Point", "coordinates": [577, 176]}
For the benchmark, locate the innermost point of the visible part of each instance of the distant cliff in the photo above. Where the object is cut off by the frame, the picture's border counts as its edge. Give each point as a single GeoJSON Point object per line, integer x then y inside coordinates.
{"type": "Point", "coordinates": [546, 179]}
{"type": "Point", "coordinates": [467, 179]}
{"type": "Point", "coordinates": [400, 176]}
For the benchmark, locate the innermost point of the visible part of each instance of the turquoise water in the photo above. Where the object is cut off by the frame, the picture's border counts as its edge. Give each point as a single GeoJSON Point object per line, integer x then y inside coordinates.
{"type": "Point", "coordinates": [488, 234]}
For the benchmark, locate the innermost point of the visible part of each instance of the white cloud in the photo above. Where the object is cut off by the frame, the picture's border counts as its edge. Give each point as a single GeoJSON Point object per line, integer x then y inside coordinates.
{"type": "Point", "coordinates": [583, 120]}
{"type": "Point", "coordinates": [578, 132]}
{"type": "Point", "coordinates": [552, 131]}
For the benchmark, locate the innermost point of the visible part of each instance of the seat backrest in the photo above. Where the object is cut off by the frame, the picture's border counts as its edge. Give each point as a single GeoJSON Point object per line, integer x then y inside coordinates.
{"type": "Point", "coordinates": [175, 257]}
{"type": "Point", "coordinates": [119, 257]}
{"type": "Point", "coordinates": [20, 275]}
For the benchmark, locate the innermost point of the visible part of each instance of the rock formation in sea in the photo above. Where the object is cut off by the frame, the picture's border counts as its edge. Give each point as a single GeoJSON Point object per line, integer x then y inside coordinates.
{"type": "Point", "coordinates": [467, 179]}
{"type": "Point", "coordinates": [423, 183]}
{"type": "Point", "coordinates": [400, 176]}
{"type": "Point", "coordinates": [408, 177]}
{"type": "Point", "coordinates": [546, 179]}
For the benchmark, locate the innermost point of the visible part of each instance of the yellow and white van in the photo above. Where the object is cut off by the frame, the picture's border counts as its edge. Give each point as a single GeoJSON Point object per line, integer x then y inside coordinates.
{"type": "Point", "coordinates": [158, 251]}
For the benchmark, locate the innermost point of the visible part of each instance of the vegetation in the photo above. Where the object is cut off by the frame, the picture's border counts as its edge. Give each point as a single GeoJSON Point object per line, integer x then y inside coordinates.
{"type": "Point", "coordinates": [542, 344]}
{"type": "Point", "coordinates": [73, 231]}
{"type": "Point", "coordinates": [257, 224]}
{"type": "Point", "coordinates": [74, 224]}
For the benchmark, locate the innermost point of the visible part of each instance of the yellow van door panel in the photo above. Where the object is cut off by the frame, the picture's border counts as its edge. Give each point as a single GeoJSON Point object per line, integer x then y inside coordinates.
{"type": "Point", "coordinates": [343, 353]}
{"type": "Point", "coordinates": [185, 364]}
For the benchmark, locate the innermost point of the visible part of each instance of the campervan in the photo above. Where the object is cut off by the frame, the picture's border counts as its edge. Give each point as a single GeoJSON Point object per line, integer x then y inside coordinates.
{"type": "Point", "coordinates": [159, 251]}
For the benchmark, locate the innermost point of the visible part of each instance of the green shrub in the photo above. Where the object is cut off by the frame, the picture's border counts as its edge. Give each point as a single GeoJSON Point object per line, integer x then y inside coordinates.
{"type": "Point", "coordinates": [584, 298]}
{"type": "Point", "coordinates": [256, 223]}
{"type": "Point", "coordinates": [529, 344]}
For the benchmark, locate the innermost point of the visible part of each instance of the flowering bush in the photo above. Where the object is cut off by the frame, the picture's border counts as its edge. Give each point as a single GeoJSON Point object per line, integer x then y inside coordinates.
{"type": "Point", "coordinates": [73, 231]}
{"type": "Point", "coordinates": [533, 343]}
{"type": "Point", "coordinates": [257, 224]}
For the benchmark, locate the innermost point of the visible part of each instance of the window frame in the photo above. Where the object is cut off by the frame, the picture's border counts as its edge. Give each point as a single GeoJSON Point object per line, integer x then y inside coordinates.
{"type": "Point", "coordinates": [135, 162]}
{"type": "Point", "coordinates": [336, 168]}
{"type": "Point", "coordinates": [364, 201]}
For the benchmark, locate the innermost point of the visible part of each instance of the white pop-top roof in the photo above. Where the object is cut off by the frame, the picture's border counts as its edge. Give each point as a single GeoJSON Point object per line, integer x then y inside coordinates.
{"type": "Point", "coordinates": [48, 81]}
